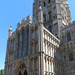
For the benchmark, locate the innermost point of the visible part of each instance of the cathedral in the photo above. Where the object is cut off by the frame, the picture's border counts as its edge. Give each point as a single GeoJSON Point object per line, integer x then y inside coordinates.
{"type": "Point", "coordinates": [45, 45]}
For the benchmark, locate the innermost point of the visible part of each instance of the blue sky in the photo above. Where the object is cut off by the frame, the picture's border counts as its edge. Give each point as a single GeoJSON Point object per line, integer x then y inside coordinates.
{"type": "Point", "coordinates": [12, 12]}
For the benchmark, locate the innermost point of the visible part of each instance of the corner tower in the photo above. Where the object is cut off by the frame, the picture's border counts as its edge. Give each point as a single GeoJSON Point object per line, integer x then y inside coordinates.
{"type": "Point", "coordinates": [56, 14]}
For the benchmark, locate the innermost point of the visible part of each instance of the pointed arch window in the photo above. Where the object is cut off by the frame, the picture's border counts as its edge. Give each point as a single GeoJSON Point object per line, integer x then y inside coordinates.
{"type": "Point", "coordinates": [44, 16]}
{"type": "Point", "coordinates": [20, 73]}
{"type": "Point", "coordinates": [50, 17]}
{"type": "Point", "coordinates": [27, 41]}
{"type": "Point", "coordinates": [68, 36]}
{"type": "Point", "coordinates": [25, 73]}
{"type": "Point", "coordinates": [70, 57]}
{"type": "Point", "coordinates": [18, 45]}
{"type": "Point", "coordinates": [44, 3]}
{"type": "Point", "coordinates": [23, 42]}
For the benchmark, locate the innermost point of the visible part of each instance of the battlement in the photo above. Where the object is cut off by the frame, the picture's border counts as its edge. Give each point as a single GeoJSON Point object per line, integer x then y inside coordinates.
{"type": "Point", "coordinates": [24, 21]}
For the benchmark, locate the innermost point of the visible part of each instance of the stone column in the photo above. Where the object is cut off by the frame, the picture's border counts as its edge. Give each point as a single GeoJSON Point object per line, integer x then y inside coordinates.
{"type": "Point", "coordinates": [47, 63]}
{"type": "Point", "coordinates": [39, 64]}
{"type": "Point", "coordinates": [33, 65]}
{"type": "Point", "coordinates": [44, 65]}
{"type": "Point", "coordinates": [46, 48]}
{"type": "Point", "coordinates": [12, 69]}
{"type": "Point", "coordinates": [51, 51]}
{"type": "Point", "coordinates": [9, 70]}
{"type": "Point", "coordinates": [7, 73]}
{"type": "Point", "coordinates": [56, 66]}
{"type": "Point", "coordinates": [6, 70]}
{"type": "Point", "coordinates": [40, 30]}
{"type": "Point", "coordinates": [50, 67]}
{"type": "Point", "coordinates": [29, 41]}
{"type": "Point", "coordinates": [25, 42]}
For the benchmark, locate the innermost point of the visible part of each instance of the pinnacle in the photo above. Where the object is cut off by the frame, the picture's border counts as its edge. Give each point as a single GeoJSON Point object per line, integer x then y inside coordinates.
{"type": "Point", "coordinates": [10, 29]}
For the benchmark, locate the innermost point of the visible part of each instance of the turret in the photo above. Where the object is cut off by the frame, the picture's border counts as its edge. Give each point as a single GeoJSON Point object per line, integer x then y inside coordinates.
{"type": "Point", "coordinates": [10, 32]}
{"type": "Point", "coordinates": [40, 14]}
{"type": "Point", "coordinates": [40, 26]}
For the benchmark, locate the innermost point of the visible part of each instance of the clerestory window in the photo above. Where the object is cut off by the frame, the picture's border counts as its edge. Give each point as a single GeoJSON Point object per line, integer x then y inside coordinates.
{"type": "Point", "coordinates": [50, 17]}
{"type": "Point", "coordinates": [18, 45]}
{"type": "Point", "coordinates": [68, 36]}
{"type": "Point", "coordinates": [44, 18]}
{"type": "Point", "coordinates": [44, 4]}
{"type": "Point", "coordinates": [23, 42]}
{"type": "Point", "coordinates": [27, 41]}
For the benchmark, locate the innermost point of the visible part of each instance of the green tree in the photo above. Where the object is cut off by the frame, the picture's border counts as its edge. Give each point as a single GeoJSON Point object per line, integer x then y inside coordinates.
{"type": "Point", "coordinates": [2, 72]}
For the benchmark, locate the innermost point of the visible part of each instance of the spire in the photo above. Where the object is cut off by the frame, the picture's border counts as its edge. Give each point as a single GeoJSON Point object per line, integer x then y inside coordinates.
{"type": "Point", "coordinates": [10, 32]}
{"type": "Point", "coordinates": [40, 14]}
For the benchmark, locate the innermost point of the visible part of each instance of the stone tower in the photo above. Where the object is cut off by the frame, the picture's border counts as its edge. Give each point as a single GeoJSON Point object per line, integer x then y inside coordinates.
{"type": "Point", "coordinates": [32, 49]}
{"type": "Point", "coordinates": [10, 32]}
{"type": "Point", "coordinates": [56, 14]}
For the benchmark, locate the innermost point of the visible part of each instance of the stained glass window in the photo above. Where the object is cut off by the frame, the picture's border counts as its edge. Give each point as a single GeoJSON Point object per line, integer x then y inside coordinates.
{"type": "Point", "coordinates": [68, 37]}
{"type": "Point", "coordinates": [50, 15]}
{"type": "Point", "coordinates": [27, 41]}
{"type": "Point", "coordinates": [23, 42]}
{"type": "Point", "coordinates": [18, 45]}
{"type": "Point", "coordinates": [44, 18]}
{"type": "Point", "coordinates": [44, 4]}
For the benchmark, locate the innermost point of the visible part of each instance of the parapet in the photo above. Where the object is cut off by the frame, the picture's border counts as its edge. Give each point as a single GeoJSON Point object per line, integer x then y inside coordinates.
{"type": "Point", "coordinates": [19, 24]}
{"type": "Point", "coordinates": [24, 21]}
{"type": "Point", "coordinates": [28, 18]}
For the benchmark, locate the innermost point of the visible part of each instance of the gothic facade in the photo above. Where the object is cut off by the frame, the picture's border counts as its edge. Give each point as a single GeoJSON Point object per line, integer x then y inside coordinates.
{"type": "Point", "coordinates": [45, 46]}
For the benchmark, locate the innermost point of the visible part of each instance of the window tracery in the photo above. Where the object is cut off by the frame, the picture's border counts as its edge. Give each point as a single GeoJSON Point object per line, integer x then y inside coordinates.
{"type": "Point", "coordinates": [23, 42]}
{"type": "Point", "coordinates": [68, 36]}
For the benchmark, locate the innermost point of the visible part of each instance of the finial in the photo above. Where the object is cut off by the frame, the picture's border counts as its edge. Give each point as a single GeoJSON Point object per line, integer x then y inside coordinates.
{"type": "Point", "coordinates": [10, 29]}
{"type": "Point", "coordinates": [40, 14]}
{"type": "Point", "coordinates": [10, 32]}
{"type": "Point", "coordinates": [40, 8]}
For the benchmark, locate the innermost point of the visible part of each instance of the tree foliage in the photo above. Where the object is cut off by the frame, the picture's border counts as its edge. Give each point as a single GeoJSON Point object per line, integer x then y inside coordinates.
{"type": "Point", "coordinates": [2, 72]}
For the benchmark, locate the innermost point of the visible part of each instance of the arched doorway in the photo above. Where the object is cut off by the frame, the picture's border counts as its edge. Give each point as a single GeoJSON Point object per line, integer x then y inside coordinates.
{"type": "Point", "coordinates": [20, 68]}
{"type": "Point", "coordinates": [20, 73]}
{"type": "Point", "coordinates": [25, 72]}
